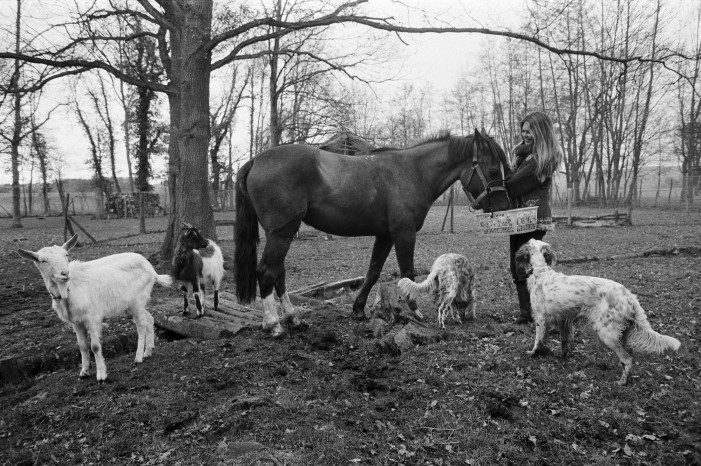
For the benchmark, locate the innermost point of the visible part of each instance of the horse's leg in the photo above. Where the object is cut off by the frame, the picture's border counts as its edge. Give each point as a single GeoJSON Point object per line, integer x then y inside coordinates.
{"type": "Point", "coordinates": [271, 274]}
{"type": "Point", "coordinates": [404, 248]}
{"type": "Point", "coordinates": [380, 251]}
{"type": "Point", "coordinates": [287, 310]}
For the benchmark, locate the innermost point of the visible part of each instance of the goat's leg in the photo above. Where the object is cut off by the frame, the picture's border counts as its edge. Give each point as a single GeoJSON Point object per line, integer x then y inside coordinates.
{"type": "Point", "coordinates": [199, 299]}
{"type": "Point", "coordinates": [95, 331]}
{"type": "Point", "coordinates": [141, 323]}
{"type": "Point", "coordinates": [185, 290]}
{"type": "Point", "coordinates": [150, 344]}
{"type": "Point", "coordinates": [82, 334]}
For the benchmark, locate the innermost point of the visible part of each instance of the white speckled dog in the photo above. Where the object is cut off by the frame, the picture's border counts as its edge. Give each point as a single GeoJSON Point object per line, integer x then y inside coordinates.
{"type": "Point", "coordinates": [450, 282]}
{"type": "Point", "coordinates": [612, 310]}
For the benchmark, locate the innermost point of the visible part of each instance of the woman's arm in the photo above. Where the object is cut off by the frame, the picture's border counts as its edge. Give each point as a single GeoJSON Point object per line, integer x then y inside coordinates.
{"type": "Point", "coordinates": [524, 180]}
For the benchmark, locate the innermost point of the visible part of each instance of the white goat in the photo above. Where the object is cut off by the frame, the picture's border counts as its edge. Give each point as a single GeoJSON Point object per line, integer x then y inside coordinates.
{"type": "Point", "coordinates": [198, 262]}
{"type": "Point", "coordinates": [83, 294]}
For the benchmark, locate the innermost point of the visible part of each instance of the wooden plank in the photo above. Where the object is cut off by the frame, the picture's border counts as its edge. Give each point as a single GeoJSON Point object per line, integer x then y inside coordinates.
{"type": "Point", "coordinates": [205, 328]}
{"type": "Point", "coordinates": [82, 229]}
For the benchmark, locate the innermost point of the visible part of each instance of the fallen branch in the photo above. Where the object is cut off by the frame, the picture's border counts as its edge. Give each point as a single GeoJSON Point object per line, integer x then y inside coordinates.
{"type": "Point", "coordinates": [690, 250]}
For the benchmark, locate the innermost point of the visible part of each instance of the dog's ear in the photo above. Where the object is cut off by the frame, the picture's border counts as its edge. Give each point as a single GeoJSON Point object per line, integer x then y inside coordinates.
{"type": "Point", "coordinates": [549, 255]}
{"type": "Point", "coordinates": [523, 260]}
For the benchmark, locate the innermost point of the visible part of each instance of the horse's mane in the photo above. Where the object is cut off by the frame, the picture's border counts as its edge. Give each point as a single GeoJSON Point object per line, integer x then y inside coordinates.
{"type": "Point", "coordinates": [438, 137]}
{"type": "Point", "coordinates": [459, 146]}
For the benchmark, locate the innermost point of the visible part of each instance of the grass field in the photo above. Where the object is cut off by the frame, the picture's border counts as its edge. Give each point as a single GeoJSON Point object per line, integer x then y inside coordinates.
{"type": "Point", "coordinates": [329, 395]}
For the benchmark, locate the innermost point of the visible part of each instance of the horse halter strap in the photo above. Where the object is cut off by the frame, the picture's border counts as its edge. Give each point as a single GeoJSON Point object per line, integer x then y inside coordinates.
{"type": "Point", "coordinates": [475, 168]}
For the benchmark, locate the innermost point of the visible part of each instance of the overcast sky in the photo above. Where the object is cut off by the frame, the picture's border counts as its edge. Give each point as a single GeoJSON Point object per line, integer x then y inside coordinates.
{"type": "Point", "coordinates": [438, 59]}
{"type": "Point", "coordinates": [434, 58]}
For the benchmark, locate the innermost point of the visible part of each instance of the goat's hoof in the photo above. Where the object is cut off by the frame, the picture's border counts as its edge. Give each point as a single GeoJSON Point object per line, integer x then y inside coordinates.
{"type": "Point", "coordinates": [84, 375]}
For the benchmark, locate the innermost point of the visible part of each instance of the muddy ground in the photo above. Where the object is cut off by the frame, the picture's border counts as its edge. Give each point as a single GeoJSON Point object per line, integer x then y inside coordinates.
{"type": "Point", "coordinates": [329, 395]}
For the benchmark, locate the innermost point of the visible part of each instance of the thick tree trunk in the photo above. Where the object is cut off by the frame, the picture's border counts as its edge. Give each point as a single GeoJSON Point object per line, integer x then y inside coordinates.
{"type": "Point", "coordinates": [189, 112]}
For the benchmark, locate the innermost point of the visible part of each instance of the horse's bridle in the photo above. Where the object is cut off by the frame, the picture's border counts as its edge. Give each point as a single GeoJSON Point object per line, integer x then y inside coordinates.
{"type": "Point", "coordinates": [466, 177]}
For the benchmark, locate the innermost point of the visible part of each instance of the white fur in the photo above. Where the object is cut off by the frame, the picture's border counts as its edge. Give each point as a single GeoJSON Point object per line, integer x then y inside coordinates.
{"type": "Point", "coordinates": [213, 266]}
{"type": "Point", "coordinates": [450, 282]}
{"type": "Point", "coordinates": [611, 309]}
{"type": "Point", "coordinates": [86, 293]}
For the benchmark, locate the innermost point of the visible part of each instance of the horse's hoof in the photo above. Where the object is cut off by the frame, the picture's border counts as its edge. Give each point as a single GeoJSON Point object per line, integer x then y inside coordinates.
{"type": "Point", "coordinates": [358, 315]}
{"type": "Point", "coordinates": [277, 331]}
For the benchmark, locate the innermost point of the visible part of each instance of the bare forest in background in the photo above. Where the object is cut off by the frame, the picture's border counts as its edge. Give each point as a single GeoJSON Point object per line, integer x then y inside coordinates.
{"type": "Point", "coordinates": [630, 129]}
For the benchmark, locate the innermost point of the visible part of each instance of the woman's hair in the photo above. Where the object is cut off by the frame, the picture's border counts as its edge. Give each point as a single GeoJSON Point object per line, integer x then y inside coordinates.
{"type": "Point", "coordinates": [548, 154]}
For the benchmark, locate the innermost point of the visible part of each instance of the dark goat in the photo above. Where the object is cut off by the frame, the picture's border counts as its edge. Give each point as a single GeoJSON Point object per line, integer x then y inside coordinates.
{"type": "Point", "coordinates": [198, 261]}
{"type": "Point", "coordinates": [187, 266]}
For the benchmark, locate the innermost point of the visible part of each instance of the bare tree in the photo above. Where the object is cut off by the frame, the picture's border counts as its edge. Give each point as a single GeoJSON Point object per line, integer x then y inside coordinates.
{"type": "Point", "coordinates": [102, 107]}
{"type": "Point", "coordinates": [101, 184]}
{"type": "Point", "coordinates": [189, 50]}
{"type": "Point", "coordinates": [221, 121]}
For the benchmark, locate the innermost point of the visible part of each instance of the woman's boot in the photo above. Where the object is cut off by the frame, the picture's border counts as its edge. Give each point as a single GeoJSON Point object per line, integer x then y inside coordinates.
{"type": "Point", "coordinates": [524, 303]}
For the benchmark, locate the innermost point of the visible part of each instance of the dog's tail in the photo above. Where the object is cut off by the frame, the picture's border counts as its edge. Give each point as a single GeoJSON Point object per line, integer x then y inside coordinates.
{"type": "Point", "coordinates": [641, 337]}
{"type": "Point", "coordinates": [412, 290]}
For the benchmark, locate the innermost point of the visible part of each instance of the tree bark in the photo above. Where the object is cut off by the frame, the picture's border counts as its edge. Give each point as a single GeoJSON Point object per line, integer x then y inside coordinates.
{"type": "Point", "coordinates": [189, 121]}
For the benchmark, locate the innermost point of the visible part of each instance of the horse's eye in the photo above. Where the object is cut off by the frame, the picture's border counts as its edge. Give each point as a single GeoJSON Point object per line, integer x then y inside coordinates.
{"type": "Point", "coordinates": [494, 172]}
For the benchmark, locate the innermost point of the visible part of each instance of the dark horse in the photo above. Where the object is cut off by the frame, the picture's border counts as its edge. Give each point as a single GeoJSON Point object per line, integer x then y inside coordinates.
{"type": "Point", "coordinates": [386, 194]}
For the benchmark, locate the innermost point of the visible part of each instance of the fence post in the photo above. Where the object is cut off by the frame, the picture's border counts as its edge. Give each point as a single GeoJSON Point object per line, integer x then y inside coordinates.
{"type": "Point", "coordinates": [142, 215]}
{"type": "Point", "coordinates": [569, 207]}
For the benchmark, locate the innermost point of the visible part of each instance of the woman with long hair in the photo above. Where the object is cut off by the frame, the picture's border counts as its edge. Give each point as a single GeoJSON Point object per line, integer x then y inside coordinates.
{"type": "Point", "coordinates": [535, 161]}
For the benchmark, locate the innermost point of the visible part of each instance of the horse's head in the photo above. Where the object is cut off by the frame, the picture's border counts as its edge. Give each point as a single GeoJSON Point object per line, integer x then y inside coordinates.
{"type": "Point", "coordinates": [483, 177]}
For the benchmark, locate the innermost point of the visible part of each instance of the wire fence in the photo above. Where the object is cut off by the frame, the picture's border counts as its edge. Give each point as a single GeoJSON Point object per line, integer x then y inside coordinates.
{"type": "Point", "coordinates": [668, 195]}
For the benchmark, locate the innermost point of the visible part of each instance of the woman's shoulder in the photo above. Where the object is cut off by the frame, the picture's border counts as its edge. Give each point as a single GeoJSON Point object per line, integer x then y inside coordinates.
{"type": "Point", "coordinates": [522, 150]}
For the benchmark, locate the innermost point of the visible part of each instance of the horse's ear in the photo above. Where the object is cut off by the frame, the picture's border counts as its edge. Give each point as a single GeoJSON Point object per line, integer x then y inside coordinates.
{"type": "Point", "coordinates": [478, 136]}
{"type": "Point", "coordinates": [484, 133]}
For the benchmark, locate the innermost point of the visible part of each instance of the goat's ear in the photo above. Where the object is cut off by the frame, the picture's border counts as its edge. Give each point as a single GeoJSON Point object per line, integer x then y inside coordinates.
{"type": "Point", "coordinates": [28, 255]}
{"type": "Point", "coordinates": [549, 255]}
{"type": "Point", "coordinates": [68, 245]}
{"type": "Point", "coordinates": [523, 259]}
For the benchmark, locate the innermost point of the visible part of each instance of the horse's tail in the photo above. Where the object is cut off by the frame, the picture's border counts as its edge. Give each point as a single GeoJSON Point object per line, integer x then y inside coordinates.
{"type": "Point", "coordinates": [641, 337]}
{"type": "Point", "coordinates": [412, 290]}
{"type": "Point", "coordinates": [246, 239]}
